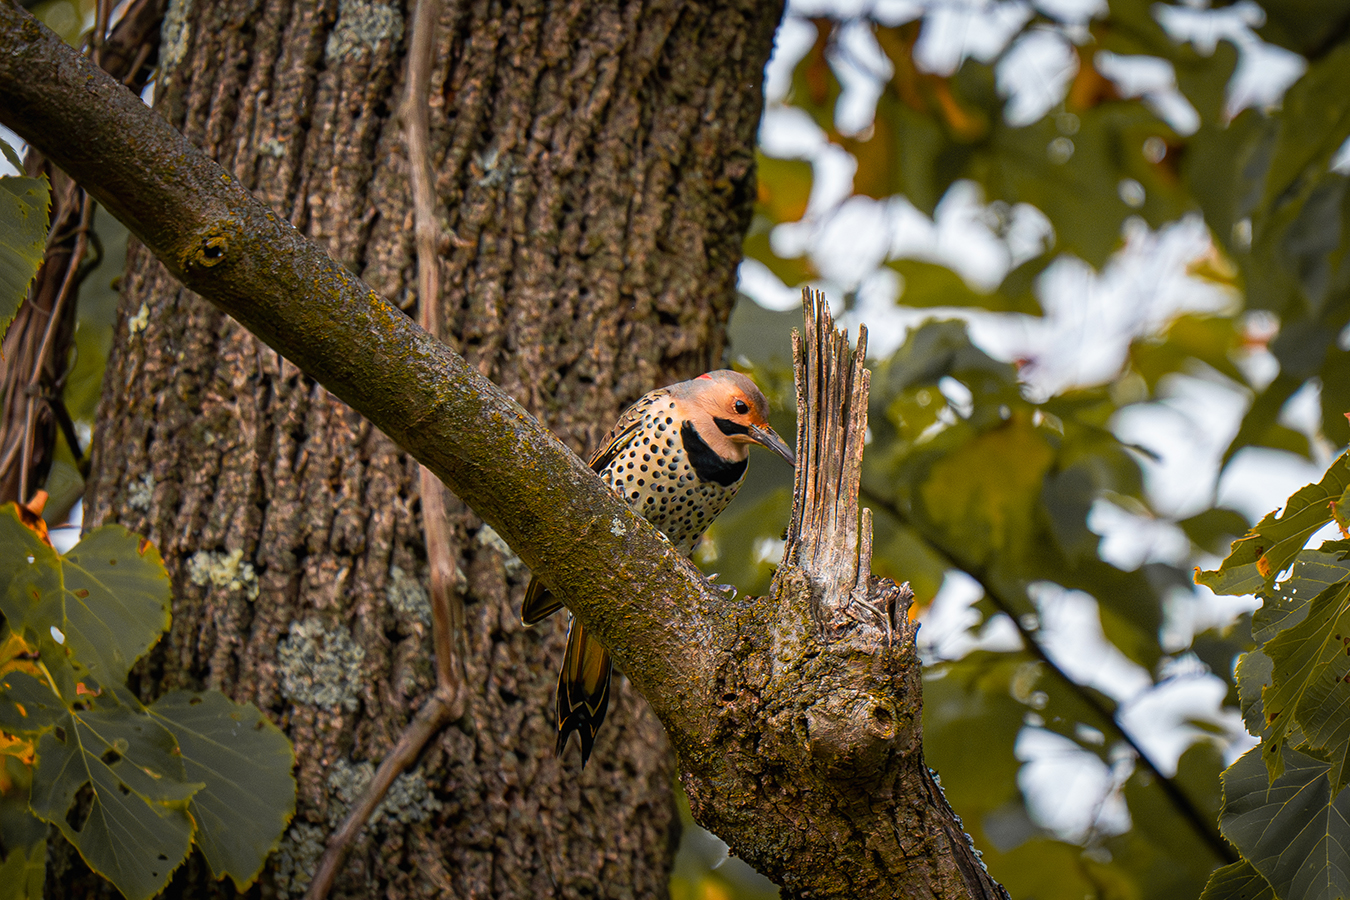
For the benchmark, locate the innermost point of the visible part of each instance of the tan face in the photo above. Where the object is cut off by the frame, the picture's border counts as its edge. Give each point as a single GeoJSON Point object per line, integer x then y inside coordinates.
{"type": "Point", "coordinates": [738, 411]}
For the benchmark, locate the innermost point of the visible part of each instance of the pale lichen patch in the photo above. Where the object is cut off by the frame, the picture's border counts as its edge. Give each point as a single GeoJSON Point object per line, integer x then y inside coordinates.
{"type": "Point", "coordinates": [137, 323]}
{"type": "Point", "coordinates": [297, 857]}
{"type": "Point", "coordinates": [319, 666]}
{"type": "Point", "coordinates": [407, 596]}
{"type": "Point", "coordinates": [173, 35]}
{"type": "Point", "coordinates": [140, 493]}
{"type": "Point", "coordinates": [409, 799]}
{"type": "Point", "coordinates": [488, 537]}
{"type": "Point", "coordinates": [360, 26]}
{"type": "Point", "coordinates": [224, 570]}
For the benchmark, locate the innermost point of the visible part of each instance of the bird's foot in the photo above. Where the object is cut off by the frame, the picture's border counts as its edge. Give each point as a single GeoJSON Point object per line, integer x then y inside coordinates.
{"type": "Point", "coordinates": [728, 591]}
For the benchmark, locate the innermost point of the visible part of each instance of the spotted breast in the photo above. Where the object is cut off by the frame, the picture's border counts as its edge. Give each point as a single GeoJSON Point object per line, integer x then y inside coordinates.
{"type": "Point", "coordinates": [678, 457]}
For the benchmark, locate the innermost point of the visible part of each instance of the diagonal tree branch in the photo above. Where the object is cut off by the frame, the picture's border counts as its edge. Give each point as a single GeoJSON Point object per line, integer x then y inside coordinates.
{"type": "Point", "coordinates": [621, 577]}
{"type": "Point", "coordinates": [797, 717]}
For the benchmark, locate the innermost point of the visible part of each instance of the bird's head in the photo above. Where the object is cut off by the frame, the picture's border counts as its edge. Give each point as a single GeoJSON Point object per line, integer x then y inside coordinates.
{"type": "Point", "coordinates": [730, 414]}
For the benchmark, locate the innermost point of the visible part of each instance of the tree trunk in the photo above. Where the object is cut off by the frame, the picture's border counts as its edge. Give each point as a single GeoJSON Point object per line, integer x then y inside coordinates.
{"type": "Point", "coordinates": [595, 167]}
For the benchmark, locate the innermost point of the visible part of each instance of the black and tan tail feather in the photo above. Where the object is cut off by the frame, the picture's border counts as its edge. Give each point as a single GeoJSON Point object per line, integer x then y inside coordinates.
{"type": "Point", "coordinates": [539, 603]}
{"type": "Point", "coordinates": [583, 683]}
{"type": "Point", "coordinates": [583, 690]}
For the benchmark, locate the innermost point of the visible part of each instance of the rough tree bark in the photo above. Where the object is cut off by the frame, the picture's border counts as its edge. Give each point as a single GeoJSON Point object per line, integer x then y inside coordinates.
{"type": "Point", "coordinates": [595, 161]}
{"type": "Point", "coordinates": [796, 717]}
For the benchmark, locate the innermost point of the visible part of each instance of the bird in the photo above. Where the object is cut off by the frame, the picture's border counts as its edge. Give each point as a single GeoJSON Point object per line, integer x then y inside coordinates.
{"type": "Point", "coordinates": [677, 456]}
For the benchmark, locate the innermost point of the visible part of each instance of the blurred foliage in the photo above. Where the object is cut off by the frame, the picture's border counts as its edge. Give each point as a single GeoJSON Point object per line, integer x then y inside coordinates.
{"type": "Point", "coordinates": [967, 473]}
{"type": "Point", "coordinates": [131, 787]}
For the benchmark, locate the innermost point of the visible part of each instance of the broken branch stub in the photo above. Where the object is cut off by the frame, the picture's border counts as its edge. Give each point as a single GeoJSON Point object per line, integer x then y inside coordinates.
{"type": "Point", "coordinates": [814, 770]}
{"type": "Point", "coordinates": [824, 589]}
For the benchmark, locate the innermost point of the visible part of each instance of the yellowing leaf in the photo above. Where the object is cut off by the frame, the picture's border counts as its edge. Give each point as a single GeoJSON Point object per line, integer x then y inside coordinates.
{"type": "Point", "coordinates": [784, 187]}
{"type": "Point", "coordinates": [984, 493]}
{"type": "Point", "coordinates": [1273, 544]}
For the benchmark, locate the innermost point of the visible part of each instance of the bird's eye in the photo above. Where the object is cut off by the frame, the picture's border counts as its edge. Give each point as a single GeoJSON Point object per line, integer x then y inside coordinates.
{"type": "Point", "coordinates": [740, 407]}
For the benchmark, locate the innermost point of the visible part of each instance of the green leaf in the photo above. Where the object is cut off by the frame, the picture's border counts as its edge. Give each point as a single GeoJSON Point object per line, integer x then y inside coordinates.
{"type": "Point", "coordinates": [756, 245]}
{"type": "Point", "coordinates": [930, 284]}
{"type": "Point", "coordinates": [23, 235]}
{"type": "Point", "coordinates": [112, 780]}
{"type": "Point", "coordinates": [1215, 529]}
{"type": "Point", "coordinates": [1291, 831]}
{"type": "Point", "coordinates": [23, 872]}
{"type": "Point", "coordinates": [1254, 671]}
{"type": "Point", "coordinates": [245, 763]}
{"type": "Point", "coordinates": [1238, 881]}
{"type": "Point", "coordinates": [1073, 174]}
{"type": "Point", "coordinates": [1261, 555]}
{"type": "Point", "coordinates": [1308, 683]}
{"type": "Point", "coordinates": [28, 707]}
{"type": "Point", "coordinates": [108, 598]}
{"type": "Point", "coordinates": [971, 721]}
{"type": "Point", "coordinates": [815, 88]}
{"type": "Point", "coordinates": [1286, 604]}
{"type": "Point", "coordinates": [1213, 340]}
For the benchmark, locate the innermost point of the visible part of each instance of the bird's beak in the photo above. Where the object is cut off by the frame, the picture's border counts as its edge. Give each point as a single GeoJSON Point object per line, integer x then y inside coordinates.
{"type": "Point", "coordinates": [767, 437]}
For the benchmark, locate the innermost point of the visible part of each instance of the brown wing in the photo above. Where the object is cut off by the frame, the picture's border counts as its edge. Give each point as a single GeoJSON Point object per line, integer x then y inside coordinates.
{"type": "Point", "coordinates": [539, 603]}
{"type": "Point", "coordinates": [583, 690]}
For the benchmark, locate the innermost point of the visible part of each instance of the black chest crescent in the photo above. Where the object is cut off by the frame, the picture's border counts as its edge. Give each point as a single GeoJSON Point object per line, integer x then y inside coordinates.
{"type": "Point", "coordinates": [707, 464]}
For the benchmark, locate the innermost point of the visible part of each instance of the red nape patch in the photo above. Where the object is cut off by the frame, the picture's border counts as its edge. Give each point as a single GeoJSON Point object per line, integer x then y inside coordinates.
{"type": "Point", "coordinates": [709, 377]}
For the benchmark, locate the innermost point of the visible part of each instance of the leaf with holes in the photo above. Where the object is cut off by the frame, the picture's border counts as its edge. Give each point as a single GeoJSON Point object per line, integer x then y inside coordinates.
{"type": "Point", "coordinates": [245, 763]}
{"type": "Point", "coordinates": [112, 780]}
{"type": "Point", "coordinates": [1272, 545]}
{"type": "Point", "coordinates": [1310, 685]}
{"type": "Point", "coordinates": [104, 603]}
{"type": "Point", "coordinates": [23, 235]}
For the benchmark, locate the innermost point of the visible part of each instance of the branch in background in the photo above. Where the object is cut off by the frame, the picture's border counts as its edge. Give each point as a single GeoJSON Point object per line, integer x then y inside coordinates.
{"type": "Point", "coordinates": [36, 350]}
{"type": "Point", "coordinates": [1206, 829]}
{"type": "Point", "coordinates": [447, 701]}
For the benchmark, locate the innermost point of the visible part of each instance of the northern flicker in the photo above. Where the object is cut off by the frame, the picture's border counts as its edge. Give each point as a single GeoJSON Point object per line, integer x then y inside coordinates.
{"type": "Point", "coordinates": [677, 456]}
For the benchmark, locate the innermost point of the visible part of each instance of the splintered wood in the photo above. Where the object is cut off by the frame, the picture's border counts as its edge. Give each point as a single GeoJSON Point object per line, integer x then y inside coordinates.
{"type": "Point", "coordinates": [828, 539]}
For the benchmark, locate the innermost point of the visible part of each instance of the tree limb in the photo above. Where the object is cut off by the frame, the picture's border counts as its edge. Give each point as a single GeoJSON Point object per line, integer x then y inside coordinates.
{"type": "Point", "coordinates": [248, 260]}
{"type": "Point", "coordinates": [796, 717]}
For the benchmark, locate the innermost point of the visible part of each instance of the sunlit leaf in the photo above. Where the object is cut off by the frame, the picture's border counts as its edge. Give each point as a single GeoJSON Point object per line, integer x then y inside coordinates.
{"type": "Point", "coordinates": [1272, 544]}
{"type": "Point", "coordinates": [244, 763]}
{"type": "Point", "coordinates": [929, 284]}
{"type": "Point", "coordinates": [791, 272]}
{"type": "Point", "coordinates": [1213, 340]}
{"type": "Point", "coordinates": [815, 88]}
{"type": "Point", "coordinates": [984, 494]}
{"type": "Point", "coordinates": [784, 187]}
